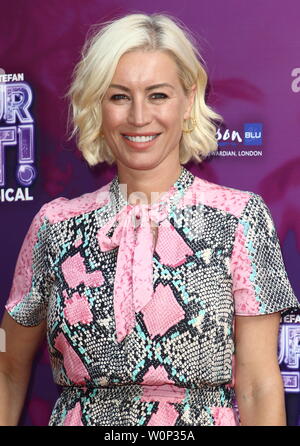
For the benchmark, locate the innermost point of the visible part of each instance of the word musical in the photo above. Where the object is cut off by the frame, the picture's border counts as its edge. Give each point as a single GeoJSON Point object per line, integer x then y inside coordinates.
{"type": "Point", "coordinates": [15, 195]}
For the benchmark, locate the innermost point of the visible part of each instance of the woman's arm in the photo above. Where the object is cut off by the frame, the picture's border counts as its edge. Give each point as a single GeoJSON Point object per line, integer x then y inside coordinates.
{"type": "Point", "coordinates": [258, 386]}
{"type": "Point", "coordinates": [15, 366]}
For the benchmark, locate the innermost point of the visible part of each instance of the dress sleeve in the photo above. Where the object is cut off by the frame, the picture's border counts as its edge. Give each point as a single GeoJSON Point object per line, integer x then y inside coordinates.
{"type": "Point", "coordinates": [31, 286]}
{"type": "Point", "coordinates": [260, 281]}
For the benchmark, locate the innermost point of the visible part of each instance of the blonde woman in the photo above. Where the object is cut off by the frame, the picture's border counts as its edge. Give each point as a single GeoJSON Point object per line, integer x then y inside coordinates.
{"type": "Point", "coordinates": [161, 292]}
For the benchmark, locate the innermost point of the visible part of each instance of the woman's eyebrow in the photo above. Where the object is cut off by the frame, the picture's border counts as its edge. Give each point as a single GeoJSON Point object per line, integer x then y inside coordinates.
{"type": "Point", "coordinates": [152, 87]}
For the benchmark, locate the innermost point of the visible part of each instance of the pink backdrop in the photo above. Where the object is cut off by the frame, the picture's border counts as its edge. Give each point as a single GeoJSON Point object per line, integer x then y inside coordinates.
{"type": "Point", "coordinates": [252, 53]}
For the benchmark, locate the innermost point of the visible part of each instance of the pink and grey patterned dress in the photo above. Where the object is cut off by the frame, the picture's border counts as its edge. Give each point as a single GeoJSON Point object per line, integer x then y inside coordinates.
{"type": "Point", "coordinates": [142, 333]}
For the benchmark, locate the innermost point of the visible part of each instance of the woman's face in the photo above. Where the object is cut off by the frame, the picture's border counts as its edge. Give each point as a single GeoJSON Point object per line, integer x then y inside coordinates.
{"type": "Point", "coordinates": [145, 100]}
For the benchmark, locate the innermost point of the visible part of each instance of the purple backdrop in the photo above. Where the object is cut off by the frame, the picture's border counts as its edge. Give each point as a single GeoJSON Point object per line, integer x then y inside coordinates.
{"type": "Point", "coordinates": [252, 53]}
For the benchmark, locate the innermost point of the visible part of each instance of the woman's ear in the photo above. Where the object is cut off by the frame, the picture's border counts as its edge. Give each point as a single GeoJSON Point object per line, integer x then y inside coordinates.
{"type": "Point", "coordinates": [191, 98]}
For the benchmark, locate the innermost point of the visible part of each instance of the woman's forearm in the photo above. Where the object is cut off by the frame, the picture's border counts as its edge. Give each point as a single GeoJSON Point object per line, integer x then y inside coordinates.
{"type": "Point", "coordinates": [263, 407]}
{"type": "Point", "coordinates": [12, 396]}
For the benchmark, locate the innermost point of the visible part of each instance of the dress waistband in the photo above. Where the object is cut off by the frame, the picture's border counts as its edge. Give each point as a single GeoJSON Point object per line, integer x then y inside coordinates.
{"type": "Point", "coordinates": [221, 395]}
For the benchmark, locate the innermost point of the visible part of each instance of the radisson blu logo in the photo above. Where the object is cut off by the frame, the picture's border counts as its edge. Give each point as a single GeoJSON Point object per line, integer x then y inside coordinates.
{"type": "Point", "coordinates": [240, 143]}
{"type": "Point", "coordinates": [253, 134]}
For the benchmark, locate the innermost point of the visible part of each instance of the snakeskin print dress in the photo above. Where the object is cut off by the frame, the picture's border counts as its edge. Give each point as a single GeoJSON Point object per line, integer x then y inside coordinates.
{"type": "Point", "coordinates": [142, 332]}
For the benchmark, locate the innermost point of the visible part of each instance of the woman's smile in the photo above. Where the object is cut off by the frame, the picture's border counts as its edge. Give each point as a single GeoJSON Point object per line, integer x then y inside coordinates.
{"type": "Point", "coordinates": [142, 141]}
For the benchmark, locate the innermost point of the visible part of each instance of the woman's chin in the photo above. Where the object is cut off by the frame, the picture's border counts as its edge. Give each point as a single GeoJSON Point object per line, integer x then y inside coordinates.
{"type": "Point", "coordinates": [141, 164]}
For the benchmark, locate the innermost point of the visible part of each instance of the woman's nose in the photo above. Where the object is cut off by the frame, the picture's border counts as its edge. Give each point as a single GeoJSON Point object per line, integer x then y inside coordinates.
{"type": "Point", "coordinates": [139, 113]}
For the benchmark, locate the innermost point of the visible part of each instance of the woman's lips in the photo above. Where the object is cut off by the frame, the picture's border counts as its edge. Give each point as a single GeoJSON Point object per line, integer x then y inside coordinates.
{"type": "Point", "coordinates": [141, 145]}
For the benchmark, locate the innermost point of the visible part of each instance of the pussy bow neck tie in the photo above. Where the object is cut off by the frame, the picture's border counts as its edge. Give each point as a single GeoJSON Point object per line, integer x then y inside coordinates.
{"type": "Point", "coordinates": [133, 287]}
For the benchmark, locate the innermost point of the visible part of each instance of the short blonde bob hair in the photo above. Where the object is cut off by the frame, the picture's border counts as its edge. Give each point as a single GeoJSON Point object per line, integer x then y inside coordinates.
{"type": "Point", "coordinates": [93, 74]}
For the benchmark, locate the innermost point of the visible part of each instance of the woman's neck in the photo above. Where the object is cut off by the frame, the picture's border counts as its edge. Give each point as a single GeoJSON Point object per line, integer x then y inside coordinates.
{"type": "Point", "coordinates": [146, 185]}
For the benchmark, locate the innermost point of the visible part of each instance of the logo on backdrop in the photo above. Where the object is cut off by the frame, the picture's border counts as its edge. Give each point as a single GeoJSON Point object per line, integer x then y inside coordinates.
{"type": "Point", "coordinates": [16, 133]}
{"type": "Point", "coordinates": [253, 134]}
{"type": "Point", "coordinates": [289, 350]}
{"type": "Point", "coordinates": [240, 143]}
{"type": "Point", "coordinates": [295, 85]}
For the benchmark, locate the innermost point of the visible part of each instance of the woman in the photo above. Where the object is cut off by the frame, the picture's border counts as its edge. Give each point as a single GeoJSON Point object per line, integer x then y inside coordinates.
{"type": "Point", "coordinates": [162, 291]}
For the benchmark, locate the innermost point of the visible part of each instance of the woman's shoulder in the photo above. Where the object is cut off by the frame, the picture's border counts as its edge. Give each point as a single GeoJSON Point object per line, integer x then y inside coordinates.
{"type": "Point", "coordinates": [225, 198]}
{"type": "Point", "coordinates": [62, 208]}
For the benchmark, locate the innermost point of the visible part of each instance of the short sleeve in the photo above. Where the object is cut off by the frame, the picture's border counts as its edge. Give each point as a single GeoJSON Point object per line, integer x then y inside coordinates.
{"type": "Point", "coordinates": [260, 281]}
{"type": "Point", "coordinates": [31, 286]}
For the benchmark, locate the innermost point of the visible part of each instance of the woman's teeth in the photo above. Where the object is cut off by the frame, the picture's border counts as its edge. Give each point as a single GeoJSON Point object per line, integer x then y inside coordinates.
{"type": "Point", "coordinates": [140, 138]}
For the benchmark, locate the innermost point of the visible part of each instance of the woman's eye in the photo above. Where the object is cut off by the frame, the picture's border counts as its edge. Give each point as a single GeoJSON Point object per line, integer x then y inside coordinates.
{"type": "Point", "coordinates": [159, 95]}
{"type": "Point", "coordinates": [116, 97]}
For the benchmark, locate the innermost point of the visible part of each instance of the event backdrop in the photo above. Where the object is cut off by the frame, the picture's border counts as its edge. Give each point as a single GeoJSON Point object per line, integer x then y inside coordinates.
{"type": "Point", "coordinates": [252, 54]}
